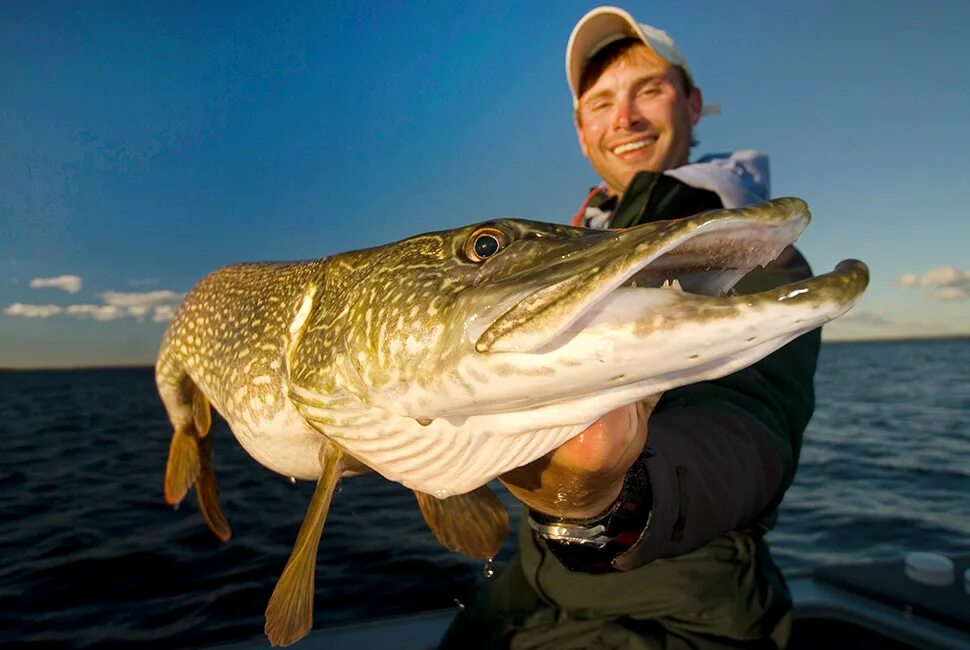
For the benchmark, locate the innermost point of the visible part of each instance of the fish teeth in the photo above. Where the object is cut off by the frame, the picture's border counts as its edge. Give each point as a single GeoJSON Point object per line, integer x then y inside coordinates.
{"type": "Point", "coordinates": [672, 284]}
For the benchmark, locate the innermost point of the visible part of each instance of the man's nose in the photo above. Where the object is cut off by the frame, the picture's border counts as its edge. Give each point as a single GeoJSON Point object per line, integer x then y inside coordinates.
{"type": "Point", "coordinates": [627, 115]}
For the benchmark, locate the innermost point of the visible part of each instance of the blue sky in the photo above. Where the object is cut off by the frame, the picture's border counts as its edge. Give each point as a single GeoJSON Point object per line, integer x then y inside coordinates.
{"type": "Point", "coordinates": [143, 145]}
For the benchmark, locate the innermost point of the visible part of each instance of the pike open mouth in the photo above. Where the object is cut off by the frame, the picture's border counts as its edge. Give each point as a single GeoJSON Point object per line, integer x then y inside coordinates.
{"type": "Point", "coordinates": [711, 263]}
{"type": "Point", "coordinates": [701, 256]}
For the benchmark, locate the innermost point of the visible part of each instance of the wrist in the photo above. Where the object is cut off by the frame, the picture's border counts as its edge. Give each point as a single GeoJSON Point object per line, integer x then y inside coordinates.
{"type": "Point", "coordinates": [594, 506]}
{"type": "Point", "coordinates": [590, 544]}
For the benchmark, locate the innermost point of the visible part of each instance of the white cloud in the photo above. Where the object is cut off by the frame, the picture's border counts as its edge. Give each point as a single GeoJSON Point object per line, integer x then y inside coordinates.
{"type": "Point", "coordinates": [68, 283]}
{"type": "Point", "coordinates": [97, 312]}
{"type": "Point", "coordinates": [164, 313]}
{"type": "Point", "coordinates": [947, 283]}
{"type": "Point", "coordinates": [160, 306]}
{"type": "Point", "coordinates": [31, 311]}
{"type": "Point", "coordinates": [951, 294]}
{"type": "Point", "coordinates": [144, 299]}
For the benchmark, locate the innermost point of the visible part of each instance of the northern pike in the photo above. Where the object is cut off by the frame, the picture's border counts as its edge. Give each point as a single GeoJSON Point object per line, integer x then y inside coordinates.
{"type": "Point", "coordinates": [446, 359]}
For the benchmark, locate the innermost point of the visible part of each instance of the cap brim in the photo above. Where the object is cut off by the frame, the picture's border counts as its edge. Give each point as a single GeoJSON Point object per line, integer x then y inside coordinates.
{"type": "Point", "coordinates": [595, 30]}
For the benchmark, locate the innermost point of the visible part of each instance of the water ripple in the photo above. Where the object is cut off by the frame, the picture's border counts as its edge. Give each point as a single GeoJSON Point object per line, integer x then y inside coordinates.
{"type": "Point", "coordinates": [92, 557]}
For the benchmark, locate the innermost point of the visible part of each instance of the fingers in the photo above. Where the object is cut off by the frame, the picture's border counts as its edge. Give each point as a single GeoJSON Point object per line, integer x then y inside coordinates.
{"type": "Point", "coordinates": [585, 474]}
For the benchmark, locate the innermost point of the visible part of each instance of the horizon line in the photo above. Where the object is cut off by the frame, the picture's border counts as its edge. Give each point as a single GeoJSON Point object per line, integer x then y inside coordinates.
{"type": "Point", "coordinates": [140, 364]}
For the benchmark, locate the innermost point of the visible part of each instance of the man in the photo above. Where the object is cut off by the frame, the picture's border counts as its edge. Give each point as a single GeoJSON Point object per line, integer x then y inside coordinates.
{"type": "Point", "coordinates": [656, 543]}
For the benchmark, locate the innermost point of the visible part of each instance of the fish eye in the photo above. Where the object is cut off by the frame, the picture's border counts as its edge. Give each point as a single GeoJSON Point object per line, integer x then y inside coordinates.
{"type": "Point", "coordinates": [484, 243]}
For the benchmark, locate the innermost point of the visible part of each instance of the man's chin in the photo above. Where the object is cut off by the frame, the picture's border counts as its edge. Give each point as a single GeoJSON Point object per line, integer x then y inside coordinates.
{"type": "Point", "coordinates": [628, 178]}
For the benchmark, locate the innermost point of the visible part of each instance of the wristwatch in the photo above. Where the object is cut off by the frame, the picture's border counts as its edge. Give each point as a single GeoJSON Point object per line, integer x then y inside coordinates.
{"type": "Point", "coordinates": [590, 545]}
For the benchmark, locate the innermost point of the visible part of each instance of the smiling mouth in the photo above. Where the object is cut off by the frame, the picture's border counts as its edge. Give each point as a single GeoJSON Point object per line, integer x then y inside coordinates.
{"type": "Point", "coordinates": [628, 147]}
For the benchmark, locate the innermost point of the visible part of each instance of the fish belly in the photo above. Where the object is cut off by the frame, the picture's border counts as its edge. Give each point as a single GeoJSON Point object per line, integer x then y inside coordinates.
{"type": "Point", "coordinates": [445, 460]}
{"type": "Point", "coordinates": [281, 441]}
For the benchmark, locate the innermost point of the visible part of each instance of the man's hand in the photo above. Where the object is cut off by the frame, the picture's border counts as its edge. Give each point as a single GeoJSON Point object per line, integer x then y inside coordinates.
{"type": "Point", "coordinates": [583, 477]}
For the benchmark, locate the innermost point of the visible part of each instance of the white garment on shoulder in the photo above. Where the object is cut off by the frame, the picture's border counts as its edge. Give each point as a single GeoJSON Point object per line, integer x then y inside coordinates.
{"type": "Point", "coordinates": [739, 178]}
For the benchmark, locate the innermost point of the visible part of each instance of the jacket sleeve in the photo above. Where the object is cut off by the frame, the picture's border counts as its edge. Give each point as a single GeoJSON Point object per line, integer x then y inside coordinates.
{"type": "Point", "coordinates": [725, 451]}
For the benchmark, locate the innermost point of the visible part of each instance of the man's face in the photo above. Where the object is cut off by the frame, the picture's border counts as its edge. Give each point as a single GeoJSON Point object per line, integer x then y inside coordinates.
{"type": "Point", "coordinates": [636, 117]}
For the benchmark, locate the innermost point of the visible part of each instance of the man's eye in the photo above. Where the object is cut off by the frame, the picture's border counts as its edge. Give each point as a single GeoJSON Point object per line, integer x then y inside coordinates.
{"type": "Point", "coordinates": [649, 91]}
{"type": "Point", "coordinates": [597, 106]}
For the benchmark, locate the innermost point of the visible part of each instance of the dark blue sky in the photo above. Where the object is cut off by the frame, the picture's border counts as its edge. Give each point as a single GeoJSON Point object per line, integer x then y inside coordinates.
{"type": "Point", "coordinates": [145, 144]}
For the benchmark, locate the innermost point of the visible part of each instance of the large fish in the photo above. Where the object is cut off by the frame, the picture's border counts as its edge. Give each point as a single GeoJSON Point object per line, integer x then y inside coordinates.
{"type": "Point", "coordinates": [444, 360]}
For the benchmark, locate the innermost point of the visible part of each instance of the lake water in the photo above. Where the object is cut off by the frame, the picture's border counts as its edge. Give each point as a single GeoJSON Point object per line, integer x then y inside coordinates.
{"type": "Point", "coordinates": [90, 555]}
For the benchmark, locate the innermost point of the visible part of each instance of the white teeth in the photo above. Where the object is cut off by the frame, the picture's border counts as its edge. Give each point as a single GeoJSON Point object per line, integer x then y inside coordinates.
{"type": "Point", "coordinates": [674, 284]}
{"type": "Point", "coordinates": [632, 146]}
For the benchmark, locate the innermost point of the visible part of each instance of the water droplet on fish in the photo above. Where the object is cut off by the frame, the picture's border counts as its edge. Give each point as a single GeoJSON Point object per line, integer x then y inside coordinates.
{"type": "Point", "coordinates": [292, 480]}
{"type": "Point", "coordinates": [460, 604]}
{"type": "Point", "coordinates": [442, 494]}
{"type": "Point", "coordinates": [488, 570]}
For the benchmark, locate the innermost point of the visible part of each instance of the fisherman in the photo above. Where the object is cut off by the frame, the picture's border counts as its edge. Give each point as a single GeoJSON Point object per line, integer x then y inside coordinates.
{"type": "Point", "coordinates": [654, 539]}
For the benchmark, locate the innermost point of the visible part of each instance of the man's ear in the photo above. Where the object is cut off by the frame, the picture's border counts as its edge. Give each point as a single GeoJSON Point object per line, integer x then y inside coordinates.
{"type": "Point", "coordinates": [579, 135]}
{"type": "Point", "coordinates": [694, 105]}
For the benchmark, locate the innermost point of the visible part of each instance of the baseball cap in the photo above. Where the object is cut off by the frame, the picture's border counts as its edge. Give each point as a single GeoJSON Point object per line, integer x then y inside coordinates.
{"type": "Point", "coordinates": [603, 26]}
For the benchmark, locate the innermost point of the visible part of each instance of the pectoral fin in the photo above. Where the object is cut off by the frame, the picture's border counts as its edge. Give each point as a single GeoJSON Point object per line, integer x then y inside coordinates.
{"type": "Point", "coordinates": [190, 463]}
{"type": "Point", "coordinates": [289, 615]}
{"type": "Point", "coordinates": [474, 523]}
